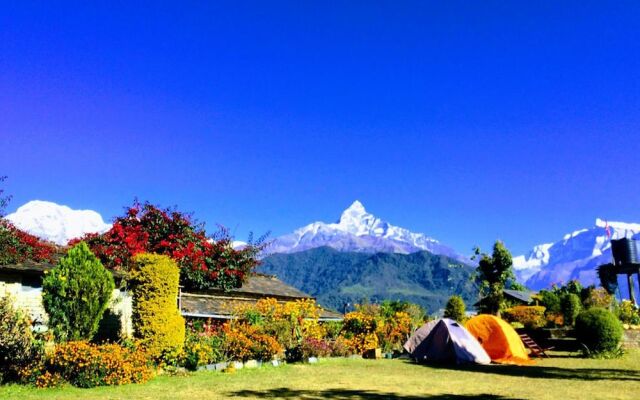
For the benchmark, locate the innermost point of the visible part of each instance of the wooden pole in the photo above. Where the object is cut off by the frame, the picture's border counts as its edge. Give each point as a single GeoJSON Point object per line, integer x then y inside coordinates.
{"type": "Point", "coordinates": [632, 295]}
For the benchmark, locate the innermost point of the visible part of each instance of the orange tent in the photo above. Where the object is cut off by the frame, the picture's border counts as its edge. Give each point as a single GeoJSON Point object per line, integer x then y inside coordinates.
{"type": "Point", "coordinates": [499, 339]}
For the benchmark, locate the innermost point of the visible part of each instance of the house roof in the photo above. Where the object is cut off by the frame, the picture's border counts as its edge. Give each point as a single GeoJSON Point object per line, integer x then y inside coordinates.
{"type": "Point", "coordinates": [261, 285]}
{"type": "Point", "coordinates": [520, 295]}
{"type": "Point", "coordinates": [220, 306]}
{"type": "Point", "coordinates": [524, 296]}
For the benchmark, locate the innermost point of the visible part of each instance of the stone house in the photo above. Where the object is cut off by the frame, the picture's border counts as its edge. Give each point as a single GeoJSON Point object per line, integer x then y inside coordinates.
{"type": "Point", "coordinates": [24, 283]}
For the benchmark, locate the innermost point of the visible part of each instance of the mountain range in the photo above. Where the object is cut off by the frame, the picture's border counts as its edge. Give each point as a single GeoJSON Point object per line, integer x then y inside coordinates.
{"type": "Point", "coordinates": [575, 256]}
{"type": "Point", "coordinates": [361, 232]}
{"type": "Point", "coordinates": [337, 278]}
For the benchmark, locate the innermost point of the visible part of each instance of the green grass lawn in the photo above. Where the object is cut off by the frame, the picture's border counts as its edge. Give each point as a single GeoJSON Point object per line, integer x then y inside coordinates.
{"type": "Point", "coordinates": [560, 377]}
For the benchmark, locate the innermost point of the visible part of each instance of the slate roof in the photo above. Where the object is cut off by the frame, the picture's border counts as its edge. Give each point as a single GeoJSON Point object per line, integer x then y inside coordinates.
{"type": "Point", "coordinates": [524, 296]}
{"type": "Point", "coordinates": [223, 306]}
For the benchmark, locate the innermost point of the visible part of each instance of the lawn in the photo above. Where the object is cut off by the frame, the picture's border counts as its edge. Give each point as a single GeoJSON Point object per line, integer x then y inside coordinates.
{"type": "Point", "coordinates": [560, 377]}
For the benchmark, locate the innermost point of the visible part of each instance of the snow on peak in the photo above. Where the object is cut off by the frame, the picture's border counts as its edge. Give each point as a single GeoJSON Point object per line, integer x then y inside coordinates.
{"type": "Point", "coordinates": [575, 256]}
{"type": "Point", "coordinates": [56, 223]}
{"type": "Point", "coordinates": [360, 231]}
{"type": "Point", "coordinates": [355, 209]}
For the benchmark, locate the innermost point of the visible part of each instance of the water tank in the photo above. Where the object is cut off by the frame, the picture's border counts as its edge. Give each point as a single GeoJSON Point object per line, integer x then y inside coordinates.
{"type": "Point", "coordinates": [625, 251]}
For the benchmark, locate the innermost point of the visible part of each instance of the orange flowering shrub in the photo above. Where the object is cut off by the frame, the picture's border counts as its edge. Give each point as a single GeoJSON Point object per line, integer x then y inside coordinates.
{"type": "Point", "coordinates": [243, 341]}
{"type": "Point", "coordinates": [394, 331]}
{"type": "Point", "coordinates": [532, 317]}
{"type": "Point", "coordinates": [88, 365]}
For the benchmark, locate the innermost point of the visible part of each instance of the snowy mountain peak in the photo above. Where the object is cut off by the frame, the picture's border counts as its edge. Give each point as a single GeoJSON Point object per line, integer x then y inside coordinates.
{"type": "Point", "coordinates": [359, 231]}
{"type": "Point", "coordinates": [56, 223]}
{"type": "Point", "coordinates": [356, 209]}
{"type": "Point", "coordinates": [575, 256]}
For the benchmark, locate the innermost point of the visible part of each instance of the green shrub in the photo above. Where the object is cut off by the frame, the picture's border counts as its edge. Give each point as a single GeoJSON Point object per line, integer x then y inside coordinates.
{"type": "Point", "coordinates": [599, 331]}
{"type": "Point", "coordinates": [75, 294]}
{"type": "Point", "coordinates": [531, 317]}
{"type": "Point", "coordinates": [332, 329]}
{"type": "Point", "coordinates": [455, 309]}
{"type": "Point", "coordinates": [550, 301]}
{"type": "Point", "coordinates": [17, 345]}
{"type": "Point", "coordinates": [571, 307]}
{"type": "Point", "coordinates": [156, 319]}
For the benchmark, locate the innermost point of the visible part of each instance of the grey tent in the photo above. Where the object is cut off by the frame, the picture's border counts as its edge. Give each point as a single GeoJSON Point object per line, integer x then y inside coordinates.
{"type": "Point", "coordinates": [445, 340]}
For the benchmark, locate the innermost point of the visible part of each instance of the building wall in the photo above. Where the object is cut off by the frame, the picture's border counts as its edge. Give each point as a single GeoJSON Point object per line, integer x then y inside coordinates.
{"type": "Point", "coordinates": [27, 295]}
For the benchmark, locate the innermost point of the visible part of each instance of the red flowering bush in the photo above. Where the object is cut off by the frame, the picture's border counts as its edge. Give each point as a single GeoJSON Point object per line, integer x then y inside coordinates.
{"type": "Point", "coordinates": [204, 262]}
{"type": "Point", "coordinates": [17, 246]}
{"type": "Point", "coordinates": [312, 347]}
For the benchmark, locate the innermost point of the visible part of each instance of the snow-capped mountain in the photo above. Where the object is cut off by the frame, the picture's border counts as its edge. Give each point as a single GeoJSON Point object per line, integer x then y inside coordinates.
{"type": "Point", "coordinates": [359, 231]}
{"type": "Point", "coordinates": [576, 256]}
{"type": "Point", "coordinates": [56, 223]}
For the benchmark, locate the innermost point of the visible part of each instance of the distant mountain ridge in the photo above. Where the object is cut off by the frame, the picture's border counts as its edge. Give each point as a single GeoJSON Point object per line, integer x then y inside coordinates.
{"type": "Point", "coordinates": [361, 232]}
{"type": "Point", "coordinates": [337, 277]}
{"type": "Point", "coordinates": [575, 256]}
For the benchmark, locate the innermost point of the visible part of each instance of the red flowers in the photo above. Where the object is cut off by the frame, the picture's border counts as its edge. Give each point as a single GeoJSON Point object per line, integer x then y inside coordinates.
{"type": "Point", "coordinates": [204, 262]}
{"type": "Point", "coordinates": [17, 246]}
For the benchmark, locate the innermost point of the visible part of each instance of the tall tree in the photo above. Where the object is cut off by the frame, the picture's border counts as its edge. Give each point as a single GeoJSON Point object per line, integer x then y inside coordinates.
{"type": "Point", "coordinates": [492, 274]}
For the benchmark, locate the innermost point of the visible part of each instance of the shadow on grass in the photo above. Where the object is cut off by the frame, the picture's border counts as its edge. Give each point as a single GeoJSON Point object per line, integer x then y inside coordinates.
{"type": "Point", "coordinates": [352, 394]}
{"type": "Point", "coordinates": [539, 372]}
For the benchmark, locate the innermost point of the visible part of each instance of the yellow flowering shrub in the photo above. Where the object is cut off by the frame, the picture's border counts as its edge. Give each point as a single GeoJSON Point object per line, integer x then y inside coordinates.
{"type": "Point", "coordinates": [289, 323]}
{"type": "Point", "coordinates": [156, 319]}
{"type": "Point", "coordinates": [360, 331]}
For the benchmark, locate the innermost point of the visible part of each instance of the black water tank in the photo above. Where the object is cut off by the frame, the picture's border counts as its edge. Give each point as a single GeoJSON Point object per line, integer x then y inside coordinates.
{"type": "Point", "coordinates": [625, 251]}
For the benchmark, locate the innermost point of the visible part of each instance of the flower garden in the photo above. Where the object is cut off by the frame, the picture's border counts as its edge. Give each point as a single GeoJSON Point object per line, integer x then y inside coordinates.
{"type": "Point", "coordinates": [157, 250]}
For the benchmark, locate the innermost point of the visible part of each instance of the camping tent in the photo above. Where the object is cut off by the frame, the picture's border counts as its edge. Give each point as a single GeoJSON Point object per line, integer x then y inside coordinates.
{"type": "Point", "coordinates": [499, 339]}
{"type": "Point", "coordinates": [445, 340]}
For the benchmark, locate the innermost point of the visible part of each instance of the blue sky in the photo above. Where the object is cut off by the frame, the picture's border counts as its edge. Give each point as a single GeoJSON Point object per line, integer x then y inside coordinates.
{"type": "Point", "coordinates": [466, 121]}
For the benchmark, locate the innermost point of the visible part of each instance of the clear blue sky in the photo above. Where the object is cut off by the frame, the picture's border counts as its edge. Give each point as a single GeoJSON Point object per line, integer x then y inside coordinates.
{"type": "Point", "coordinates": [468, 121]}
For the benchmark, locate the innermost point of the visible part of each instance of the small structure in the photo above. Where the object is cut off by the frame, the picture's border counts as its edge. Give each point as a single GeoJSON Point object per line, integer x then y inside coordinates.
{"type": "Point", "coordinates": [626, 261]}
{"type": "Point", "coordinates": [445, 340]}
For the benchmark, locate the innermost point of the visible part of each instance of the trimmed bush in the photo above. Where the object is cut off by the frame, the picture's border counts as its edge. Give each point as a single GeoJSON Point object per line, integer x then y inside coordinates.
{"type": "Point", "coordinates": [156, 319]}
{"type": "Point", "coordinates": [599, 331]}
{"type": "Point", "coordinates": [571, 307]}
{"type": "Point", "coordinates": [17, 345]}
{"type": "Point", "coordinates": [531, 317]}
{"type": "Point", "coordinates": [75, 294]}
{"type": "Point", "coordinates": [455, 309]}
